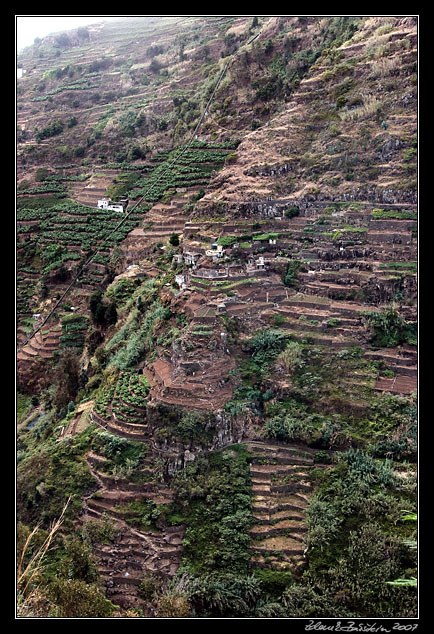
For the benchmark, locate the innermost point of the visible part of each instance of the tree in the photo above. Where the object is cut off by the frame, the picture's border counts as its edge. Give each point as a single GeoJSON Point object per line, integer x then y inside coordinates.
{"type": "Point", "coordinates": [102, 313]}
{"type": "Point", "coordinates": [389, 329]}
{"type": "Point", "coordinates": [62, 41]}
{"type": "Point", "coordinates": [154, 66]}
{"type": "Point", "coordinates": [110, 314]}
{"type": "Point", "coordinates": [96, 306]}
{"type": "Point", "coordinates": [290, 276]}
{"type": "Point", "coordinates": [136, 152]}
{"type": "Point", "coordinates": [266, 344]}
{"type": "Point", "coordinates": [174, 239]}
{"type": "Point", "coordinates": [191, 426]}
{"type": "Point", "coordinates": [83, 32]}
{"type": "Point", "coordinates": [66, 378]}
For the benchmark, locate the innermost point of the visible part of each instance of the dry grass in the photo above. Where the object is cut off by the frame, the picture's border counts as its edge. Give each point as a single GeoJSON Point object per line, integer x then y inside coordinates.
{"type": "Point", "coordinates": [385, 66]}
{"type": "Point", "coordinates": [374, 26]}
{"type": "Point", "coordinates": [29, 596]}
{"type": "Point", "coordinates": [366, 110]}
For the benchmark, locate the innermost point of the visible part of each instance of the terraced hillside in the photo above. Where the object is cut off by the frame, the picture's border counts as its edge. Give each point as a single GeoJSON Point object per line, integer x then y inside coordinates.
{"type": "Point", "coordinates": [136, 550]}
{"type": "Point", "coordinates": [228, 368]}
{"type": "Point", "coordinates": [281, 490]}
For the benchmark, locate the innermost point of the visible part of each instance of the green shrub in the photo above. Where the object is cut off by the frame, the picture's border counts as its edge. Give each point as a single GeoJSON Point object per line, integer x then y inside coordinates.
{"type": "Point", "coordinates": [74, 598]}
{"type": "Point", "coordinates": [231, 158]}
{"type": "Point", "coordinates": [52, 129]}
{"type": "Point", "coordinates": [223, 595]}
{"type": "Point", "coordinates": [191, 426]}
{"type": "Point", "coordinates": [290, 276]}
{"type": "Point", "coordinates": [174, 239]}
{"type": "Point", "coordinates": [265, 345]}
{"type": "Point", "coordinates": [389, 329]}
{"type": "Point", "coordinates": [274, 582]}
{"type": "Point", "coordinates": [278, 319]}
{"type": "Point", "coordinates": [214, 498]}
{"type": "Point", "coordinates": [382, 214]}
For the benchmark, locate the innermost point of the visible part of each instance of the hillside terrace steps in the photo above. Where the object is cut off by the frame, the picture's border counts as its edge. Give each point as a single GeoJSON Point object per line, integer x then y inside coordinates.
{"type": "Point", "coordinates": [281, 491]}
{"type": "Point", "coordinates": [120, 428]}
{"type": "Point", "coordinates": [114, 483]}
{"type": "Point", "coordinates": [124, 562]}
{"type": "Point", "coordinates": [133, 552]}
{"type": "Point", "coordinates": [203, 390]}
{"type": "Point", "coordinates": [190, 401]}
{"type": "Point", "coordinates": [336, 341]}
{"type": "Point", "coordinates": [261, 515]}
{"type": "Point", "coordinates": [404, 363]}
{"type": "Point", "coordinates": [33, 350]}
{"type": "Point", "coordinates": [399, 356]}
{"type": "Point", "coordinates": [399, 384]}
{"type": "Point", "coordinates": [127, 426]}
{"type": "Point", "coordinates": [22, 355]}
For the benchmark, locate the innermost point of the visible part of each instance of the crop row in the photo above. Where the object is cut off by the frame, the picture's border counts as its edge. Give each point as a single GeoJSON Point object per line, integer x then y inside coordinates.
{"type": "Point", "coordinates": [55, 91]}
{"type": "Point", "coordinates": [391, 214]}
{"type": "Point", "coordinates": [183, 167]}
{"type": "Point", "coordinates": [34, 214]}
{"type": "Point", "coordinates": [229, 145]}
{"type": "Point", "coordinates": [128, 166]}
{"type": "Point", "coordinates": [60, 177]}
{"type": "Point", "coordinates": [132, 390]}
{"type": "Point", "coordinates": [123, 398]}
{"type": "Point", "coordinates": [103, 401]}
{"type": "Point", "coordinates": [126, 413]}
{"type": "Point", "coordinates": [45, 188]}
{"type": "Point", "coordinates": [73, 322]}
{"type": "Point", "coordinates": [65, 257]}
{"type": "Point", "coordinates": [64, 228]}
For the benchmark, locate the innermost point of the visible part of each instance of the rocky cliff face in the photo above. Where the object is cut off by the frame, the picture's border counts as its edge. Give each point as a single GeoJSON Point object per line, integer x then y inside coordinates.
{"type": "Point", "coordinates": [218, 431]}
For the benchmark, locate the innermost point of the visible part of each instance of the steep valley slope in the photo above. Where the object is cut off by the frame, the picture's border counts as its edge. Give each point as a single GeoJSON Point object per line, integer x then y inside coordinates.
{"type": "Point", "coordinates": [219, 379]}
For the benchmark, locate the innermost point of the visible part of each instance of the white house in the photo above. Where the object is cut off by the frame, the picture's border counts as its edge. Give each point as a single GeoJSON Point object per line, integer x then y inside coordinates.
{"type": "Point", "coordinates": [106, 203]}
{"type": "Point", "coordinates": [103, 203]}
{"type": "Point", "coordinates": [217, 251]}
{"type": "Point", "coordinates": [190, 257]}
{"type": "Point", "coordinates": [180, 280]}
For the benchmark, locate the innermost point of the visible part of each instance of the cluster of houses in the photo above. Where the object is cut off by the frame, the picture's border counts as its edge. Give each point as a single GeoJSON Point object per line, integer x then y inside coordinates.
{"type": "Point", "coordinates": [222, 271]}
